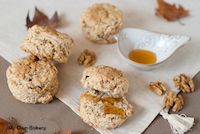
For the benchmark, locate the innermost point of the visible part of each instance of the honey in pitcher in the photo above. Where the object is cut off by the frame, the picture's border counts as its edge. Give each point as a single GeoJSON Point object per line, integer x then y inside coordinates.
{"type": "Point", "coordinates": [142, 56]}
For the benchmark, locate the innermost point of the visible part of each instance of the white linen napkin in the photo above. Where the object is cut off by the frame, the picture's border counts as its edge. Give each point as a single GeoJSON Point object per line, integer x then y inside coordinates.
{"type": "Point", "coordinates": [140, 14]}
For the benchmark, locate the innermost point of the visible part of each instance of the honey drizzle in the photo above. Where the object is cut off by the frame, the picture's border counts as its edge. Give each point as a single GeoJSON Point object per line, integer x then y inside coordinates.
{"type": "Point", "coordinates": [109, 102]}
{"type": "Point", "coordinates": [110, 109]}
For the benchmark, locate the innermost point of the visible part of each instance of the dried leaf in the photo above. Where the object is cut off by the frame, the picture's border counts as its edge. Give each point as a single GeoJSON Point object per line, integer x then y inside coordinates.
{"type": "Point", "coordinates": [170, 12]}
{"type": "Point", "coordinates": [41, 19]}
{"type": "Point", "coordinates": [10, 127]}
{"type": "Point", "coordinates": [63, 132]}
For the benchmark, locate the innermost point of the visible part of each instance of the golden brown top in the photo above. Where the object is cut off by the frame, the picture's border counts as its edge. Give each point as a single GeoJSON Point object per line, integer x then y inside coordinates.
{"type": "Point", "coordinates": [102, 13]}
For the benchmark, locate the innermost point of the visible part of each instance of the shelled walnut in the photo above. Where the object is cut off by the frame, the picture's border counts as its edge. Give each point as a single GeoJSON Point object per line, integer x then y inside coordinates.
{"type": "Point", "coordinates": [157, 87]}
{"type": "Point", "coordinates": [184, 83]}
{"type": "Point", "coordinates": [178, 103]}
{"type": "Point", "coordinates": [87, 58]}
{"type": "Point", "coordinates": [171, 100]}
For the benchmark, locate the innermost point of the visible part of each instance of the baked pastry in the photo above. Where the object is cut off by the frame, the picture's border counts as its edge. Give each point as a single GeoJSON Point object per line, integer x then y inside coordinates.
{"type": "Point", "coordinates": [100, 22]}
{"type": "Point", "coordinates": [105, 79]}
{"type": "Point", "coordinates": [31, 80]}
{"type": "Point", "coordinates": [100, 110]}
{"type": "Point", "coordinates": [47, 43]}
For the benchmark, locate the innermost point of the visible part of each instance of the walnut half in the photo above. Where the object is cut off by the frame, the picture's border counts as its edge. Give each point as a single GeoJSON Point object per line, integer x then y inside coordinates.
{"type": "Point", "coordinates": [184, 83]}
{"type": "Point", "coordinates": [87, 58]}
{"type": "Point", "coordinates": [157, 87]}
{"type": "Point", "coordinates": [171, 100]}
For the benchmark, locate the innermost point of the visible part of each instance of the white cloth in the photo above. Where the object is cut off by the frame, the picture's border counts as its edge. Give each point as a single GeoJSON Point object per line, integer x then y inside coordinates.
{"type": "Point", "coordinates": [179, 124]}
{"type": "Point", "coordinates": [138, 13]}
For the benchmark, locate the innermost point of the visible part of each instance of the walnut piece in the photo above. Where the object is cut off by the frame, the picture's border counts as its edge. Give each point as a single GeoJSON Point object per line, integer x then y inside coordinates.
{"type": "Point", "coordinates": [178, 103]}
{"type": "Point", "coordinates": [157, 87]}
{"type": "Point", "coordinates": [184, 83]}
{"type": "Point", "coordinates": [171, 100]}
{"type": "Point", "coordinates": [87, 58]}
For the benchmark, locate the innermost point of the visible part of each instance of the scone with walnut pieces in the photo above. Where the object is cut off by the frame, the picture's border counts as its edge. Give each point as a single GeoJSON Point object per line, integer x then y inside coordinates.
{"type": "Point", "coordinates": [100, 22]}
{"type": "Point", "coordinates": [31, 80]}
{"type": "Point", "coordinates": [105, 79]}
{"type": "Point", "coordinates": [102, 111]}
{"type": "Point", "coordinates": [45, 42]}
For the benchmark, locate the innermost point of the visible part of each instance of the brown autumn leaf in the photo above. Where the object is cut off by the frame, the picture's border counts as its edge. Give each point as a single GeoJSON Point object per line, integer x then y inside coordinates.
{"type": "Point", "coordinates": [63, 132]}
{"type": "Point", "coordinates": [10, 127]}
{"type": "Point", "coordinates": [41, 19]}
{"type": "Point", "coordinates": [170, 12]}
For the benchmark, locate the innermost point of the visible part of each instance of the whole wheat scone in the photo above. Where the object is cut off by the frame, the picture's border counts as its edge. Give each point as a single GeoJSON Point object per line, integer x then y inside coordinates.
{"type": "Point", "coordinates": [100, 22]}
{"type": "Point", "coordinates": [45, 42]}
{"type": "Point", "coordinates": [100, 110]}
{"type": "Point", "coordinates": [105, 79]}
{"type": "Point", "coordinates": [31, 80]}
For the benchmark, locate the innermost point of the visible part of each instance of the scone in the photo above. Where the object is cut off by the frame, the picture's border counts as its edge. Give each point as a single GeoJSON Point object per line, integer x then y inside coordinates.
{"type": "Point", "coordinates": [31, 80]}
{"type": "Point", "coordinates": [100, 22]}
{"type": "Point", "coordinates": [105, 79]}
{"type": "Point", "coordinates": [47, 43]}
{"type": "Point", "coordinates": [100, 110]}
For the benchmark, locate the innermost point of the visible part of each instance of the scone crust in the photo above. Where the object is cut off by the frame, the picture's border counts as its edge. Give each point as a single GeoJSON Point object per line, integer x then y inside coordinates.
{"type": "Point", "coordinates": [31, 80]}
{"type": "Point", "coordinates": [45, 42]}
{"type": "Point", "coordinates": [105, 79]}
{"type": "Point", "coordinates": [92, 111]}
{"type": "Point", "coordinates": [100, 22]}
